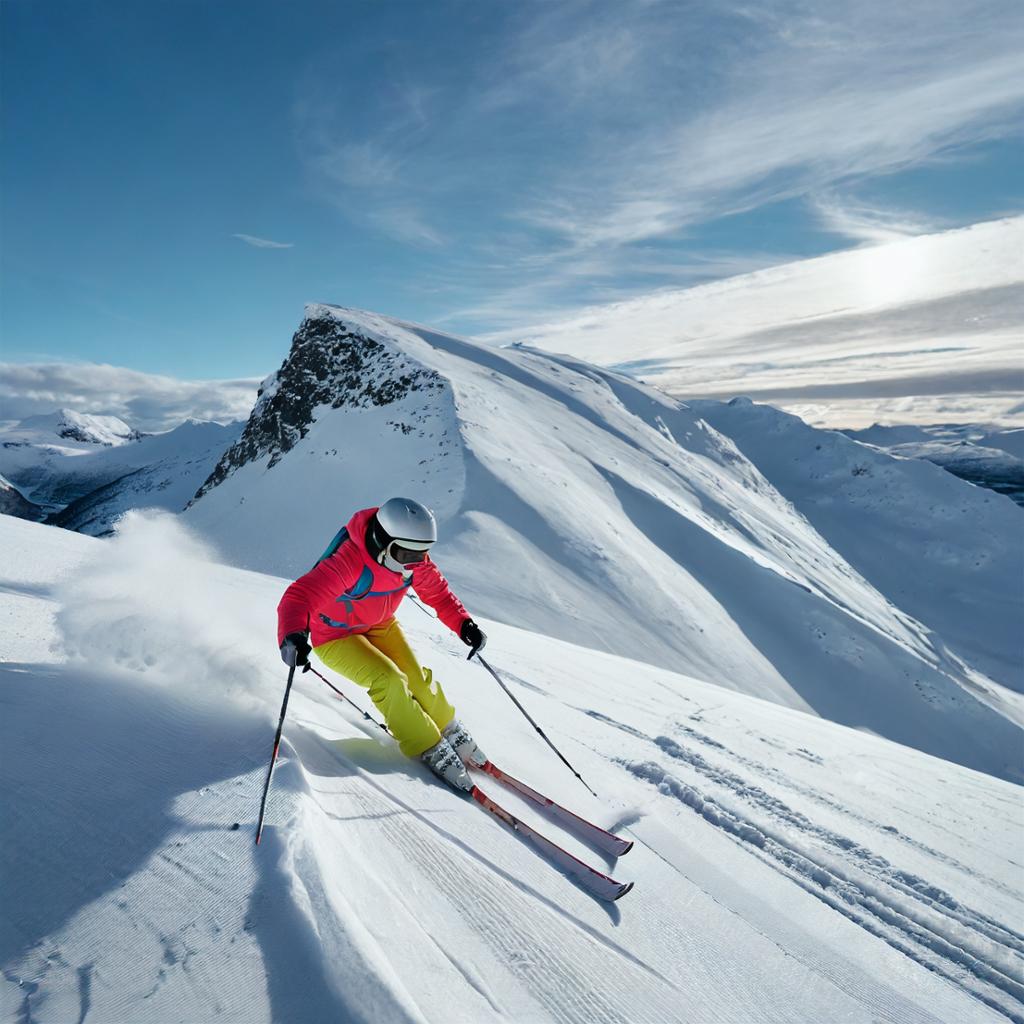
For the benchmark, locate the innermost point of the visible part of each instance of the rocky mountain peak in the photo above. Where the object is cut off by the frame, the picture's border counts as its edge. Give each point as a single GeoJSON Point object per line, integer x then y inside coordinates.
{"type": "Point", "coordinates": [331, 363]}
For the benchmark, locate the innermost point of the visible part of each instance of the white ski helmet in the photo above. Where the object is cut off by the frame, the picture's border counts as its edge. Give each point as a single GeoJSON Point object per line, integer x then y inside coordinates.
{"type": "Point", "coordinates": [403, 531]}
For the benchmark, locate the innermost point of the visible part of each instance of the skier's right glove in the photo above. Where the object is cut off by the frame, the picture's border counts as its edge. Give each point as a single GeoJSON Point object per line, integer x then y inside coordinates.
{"type": "Point", "coordinates": [295, 650]}
{"type": "Point", "coordinates": [472, 636]}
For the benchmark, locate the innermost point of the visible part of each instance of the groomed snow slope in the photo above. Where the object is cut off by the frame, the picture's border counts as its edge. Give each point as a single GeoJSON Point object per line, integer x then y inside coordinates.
{"type": "Point", "coordinates": [786, 868]}
{"type": "Point", "coordinates": [580, 504]}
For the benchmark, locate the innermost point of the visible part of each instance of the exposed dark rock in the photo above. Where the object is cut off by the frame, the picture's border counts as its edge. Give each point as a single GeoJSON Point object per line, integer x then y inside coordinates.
{"type": "Point", "coordinates": [75, 433]}
{"type": "Point", "coordinates": [14, 503]}
{"type": "Point", "coordinates": [329, 364]}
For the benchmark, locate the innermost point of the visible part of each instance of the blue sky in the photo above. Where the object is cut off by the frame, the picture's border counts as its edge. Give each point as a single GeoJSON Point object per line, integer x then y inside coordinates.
{"type": "Point", "coordinates": [476, 166]}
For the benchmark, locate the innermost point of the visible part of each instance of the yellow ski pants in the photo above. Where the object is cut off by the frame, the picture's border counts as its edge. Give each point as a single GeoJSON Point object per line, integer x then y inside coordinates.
{"type": "Point", "coordinates": [407, 695]}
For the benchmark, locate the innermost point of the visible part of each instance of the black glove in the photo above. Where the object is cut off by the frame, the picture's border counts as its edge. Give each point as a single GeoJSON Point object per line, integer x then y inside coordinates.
{"type": "Point", "coordinates": [295, 650]}
{"type": "Point", "coordinates": [472, 636]}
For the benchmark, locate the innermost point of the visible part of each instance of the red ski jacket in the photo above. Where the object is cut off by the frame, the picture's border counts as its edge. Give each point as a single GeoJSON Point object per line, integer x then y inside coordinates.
{"type": "Point", "coordinates": [347, 592]}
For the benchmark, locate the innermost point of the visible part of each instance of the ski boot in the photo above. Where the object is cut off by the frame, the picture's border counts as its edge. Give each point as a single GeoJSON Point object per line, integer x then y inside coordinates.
{"type": "Point", "coordinates": [442, 760]}
{"type": "Point", "coordinates": [465, 746]}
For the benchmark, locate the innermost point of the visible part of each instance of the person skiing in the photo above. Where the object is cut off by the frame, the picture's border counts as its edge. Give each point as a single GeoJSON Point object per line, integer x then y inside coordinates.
{"type": "Point", "coordinates": [343, 610]}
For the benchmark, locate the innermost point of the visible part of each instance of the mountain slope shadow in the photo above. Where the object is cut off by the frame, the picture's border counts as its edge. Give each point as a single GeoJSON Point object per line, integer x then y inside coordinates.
{"type": "Point", "coordinates": [853, 674]}
{"type": "Point", "coordinates": [75, 739]}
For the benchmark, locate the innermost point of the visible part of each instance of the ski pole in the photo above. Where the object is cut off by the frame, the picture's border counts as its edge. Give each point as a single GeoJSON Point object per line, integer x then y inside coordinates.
{"type": "Point", "coordinates": [365, 714]}
{"type": "Point", "coordinates": [526, 715]}
{"type": "Point", "coordinates": [273, 757]}
{"type": "Point", "coordinates": [512, 697]}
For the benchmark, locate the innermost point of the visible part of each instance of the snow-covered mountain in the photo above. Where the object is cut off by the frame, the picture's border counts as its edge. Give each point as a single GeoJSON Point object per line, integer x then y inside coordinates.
{"type": "Point", "coordinates": [74, 427]}
{"type": "Point", "coordinates": [986, 457]}
{"type": "Point", "coordinates": [785, 868]}
{"type": "Point", "coordinates": [39, 454]}
{"type": "Point", "coordinates": [85, 470]}
{"type": "Point", "coordinates": [726, 541]}
{"type": "Point", "coordinates": [182, 459]}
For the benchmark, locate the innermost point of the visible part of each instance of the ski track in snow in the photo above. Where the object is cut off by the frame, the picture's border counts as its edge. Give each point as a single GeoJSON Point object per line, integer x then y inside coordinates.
{"type": "Point", "coordinates": [778, 777]}
{"type": "Point", "coordinates": [818, 797]}
{"type": "Point", "coordinates": [983, 956]}
{"type": "Point", "coordinates": [571, 988]}
{"type": "Point", "coordinates": [543, 974]}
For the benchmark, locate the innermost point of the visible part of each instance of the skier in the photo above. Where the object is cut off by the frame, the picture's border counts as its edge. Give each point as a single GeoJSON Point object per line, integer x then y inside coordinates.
{"type": "Point", "coordinates": [344, 610]}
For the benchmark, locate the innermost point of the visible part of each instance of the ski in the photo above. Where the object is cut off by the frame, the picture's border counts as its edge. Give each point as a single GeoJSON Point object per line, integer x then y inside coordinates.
{"type": "Point", "coordinates": [596, 883]}
{"type": "Point", "coordinates": [597, 837]}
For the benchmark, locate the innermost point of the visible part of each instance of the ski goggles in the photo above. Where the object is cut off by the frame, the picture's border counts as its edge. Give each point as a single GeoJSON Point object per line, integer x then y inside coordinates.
{"type": "Point", "coordinates": [400, 552]}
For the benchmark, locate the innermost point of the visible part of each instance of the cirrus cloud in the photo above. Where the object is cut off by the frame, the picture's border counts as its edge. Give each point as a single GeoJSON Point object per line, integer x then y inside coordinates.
{"type": "Point", "coordinates": [263, 243]}
{"type": "Point", "coordinates": [587, 133]}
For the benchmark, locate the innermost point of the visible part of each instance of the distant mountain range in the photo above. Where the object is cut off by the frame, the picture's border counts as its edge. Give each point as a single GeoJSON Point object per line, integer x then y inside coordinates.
{"type": "Point", "coordinates": [83, 471]}
{"type": "Point", "coordinates": [76, 428]}
{"type": "Point", "coordinates": [986, 457]}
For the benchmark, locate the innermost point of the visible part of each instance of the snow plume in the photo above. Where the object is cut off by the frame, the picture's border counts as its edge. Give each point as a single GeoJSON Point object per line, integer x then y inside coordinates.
{"type": "Point", "coordinates": [156, 603]}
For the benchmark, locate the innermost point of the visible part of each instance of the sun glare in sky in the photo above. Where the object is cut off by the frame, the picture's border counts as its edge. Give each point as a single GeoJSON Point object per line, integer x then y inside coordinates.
{"type": "Point", "coordinates": [890, 275]}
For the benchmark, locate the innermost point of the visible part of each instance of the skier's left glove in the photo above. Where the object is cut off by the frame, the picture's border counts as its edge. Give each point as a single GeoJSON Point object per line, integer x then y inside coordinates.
{"type": "Point", "coordinates": [472, 636]}
{"type": "Point", "coordinates": [295, 650]}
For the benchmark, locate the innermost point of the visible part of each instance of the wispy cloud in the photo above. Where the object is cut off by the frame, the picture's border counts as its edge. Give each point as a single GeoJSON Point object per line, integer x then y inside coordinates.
{"type": "Point", "coordinates": [923, 329]}
{"type": "Point", "coordinates": [542, 300]}
{"type": "Point", "coordinates": [870, 224]}
{"type": "Point", "coordinates": [786, 127]}
{"type": "Point", "coordinates": [579, 133]}
{"type": "Point", "coordinates": [366, 175]}
{"type": "Point", "coordinates": [747, 323]}
{"type": "Point", "coordinates": [263, 243]}
{"type": "Point", "coordinates": [365, 164]}
{"type": "Point", "coordinates": [405, 223]}
{"type": "Point", "coordinates": [571, 53]}
{"type": "Point", "coordinates": [146, 401]}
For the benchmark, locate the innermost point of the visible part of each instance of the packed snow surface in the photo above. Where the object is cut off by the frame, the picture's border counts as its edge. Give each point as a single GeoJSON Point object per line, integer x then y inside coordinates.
{"type": "Point", "coordinates": [786, 868]}
{"type": "Point", "coordinates": [726, 541]}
